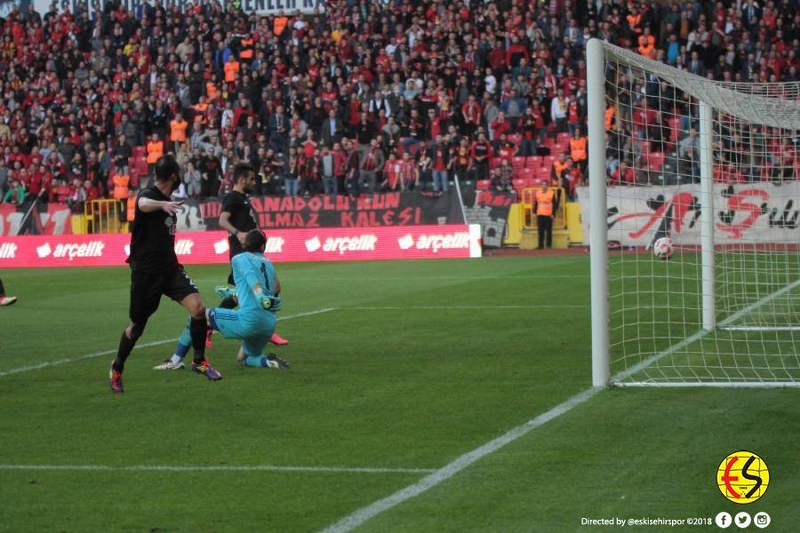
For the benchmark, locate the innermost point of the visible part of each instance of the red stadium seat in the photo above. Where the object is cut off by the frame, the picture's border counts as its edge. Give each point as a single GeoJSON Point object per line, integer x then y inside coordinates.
{"type": "Point", "coordinates": [139, 151]}
{"type": "Point", "coordinates": [483, 185]}
{"type": "Point", "coordinates": [533, 161]}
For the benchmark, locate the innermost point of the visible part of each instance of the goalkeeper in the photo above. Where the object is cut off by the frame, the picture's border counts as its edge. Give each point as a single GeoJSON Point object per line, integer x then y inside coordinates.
{"type": "Point", "coordinates": [253, 322]}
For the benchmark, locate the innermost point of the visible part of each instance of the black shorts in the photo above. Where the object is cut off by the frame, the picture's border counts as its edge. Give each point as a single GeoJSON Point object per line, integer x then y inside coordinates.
{"type": "Point", "coordinates": [147, 289]}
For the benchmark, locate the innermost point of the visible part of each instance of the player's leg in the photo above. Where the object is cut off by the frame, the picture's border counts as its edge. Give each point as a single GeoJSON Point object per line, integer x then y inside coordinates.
{"type": "Point", "coordinates": [181, 349]}
{"type": "Point", "coordinates": [251, 352]}
{"type": "Point", "coordinates": [145, 296]}
{"type": "Point", "coordinates": [5, 300]}
{"type": "Point", "coordinates": [183, 290]}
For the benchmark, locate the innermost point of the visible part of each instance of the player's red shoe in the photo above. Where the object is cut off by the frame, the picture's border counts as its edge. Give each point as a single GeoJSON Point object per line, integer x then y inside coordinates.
{"type": "Point", "coordinates": [209, 342]}
{"type": "Point", "coordinates": [115, 381]}
{"type": "Point", "coordinates": [278, 340]}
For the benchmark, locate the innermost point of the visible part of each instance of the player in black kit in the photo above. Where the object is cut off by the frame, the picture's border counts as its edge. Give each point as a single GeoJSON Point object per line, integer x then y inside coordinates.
{"type": "Point", "coordinates": [155, 271]}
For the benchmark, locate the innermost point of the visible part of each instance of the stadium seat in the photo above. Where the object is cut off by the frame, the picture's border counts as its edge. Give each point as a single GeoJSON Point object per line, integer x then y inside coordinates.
{"type": "Point", "coordinates": [139, 151]}
{"type": "Point", "coordinates": [495, 162]}
{"type": "Point", "coordinates": [527, 173]}
{"type": "Point", "coordinates": [518, 163]}
{"type": "Point", "coordinates": [563, 138]}
{"type": "Point", "coordinates": [483, 185]}
{"type": "Point", "coordinates": [533, 161]}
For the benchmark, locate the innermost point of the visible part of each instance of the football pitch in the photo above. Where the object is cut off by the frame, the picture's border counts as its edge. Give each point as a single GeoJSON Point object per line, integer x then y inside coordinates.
{"type": "Point", "coordinates": [424, 396]}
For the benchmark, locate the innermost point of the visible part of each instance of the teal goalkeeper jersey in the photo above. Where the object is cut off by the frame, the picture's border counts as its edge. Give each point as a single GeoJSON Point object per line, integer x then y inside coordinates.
{"type": "Point", "coordinates": [250, 269]}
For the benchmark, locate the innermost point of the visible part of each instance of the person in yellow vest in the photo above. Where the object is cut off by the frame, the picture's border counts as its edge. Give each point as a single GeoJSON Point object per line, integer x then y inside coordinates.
{"type": "Point", "coordinates": [121, 194]}
{"type": "Point", "coordinates": [131, 210]}
{"type": "Point", "coordinates": [279, 24]}
{"type": "Point", "coordinates": [177, 131]}
{"type": "Point", "coordinates": [155, 149]}
{"type": "Point", "coordinates": [246, 55]}
{"type": "Point", "coordinates": [647, 43]}
{"type": "Point", "coordinates": [231, 69]}
{"type": "Point", "coordinates": [610, 116]}
{"type": "Point", "coordinates": [578, 149]}
{"type": "Point", "coordinates": [545, 204]}
{"type": "Point", "coordinates": [558, 168]}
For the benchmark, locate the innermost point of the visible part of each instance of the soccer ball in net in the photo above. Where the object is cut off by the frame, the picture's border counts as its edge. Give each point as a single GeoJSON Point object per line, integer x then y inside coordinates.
{"type": "Point", "coordinates": [663, 248]}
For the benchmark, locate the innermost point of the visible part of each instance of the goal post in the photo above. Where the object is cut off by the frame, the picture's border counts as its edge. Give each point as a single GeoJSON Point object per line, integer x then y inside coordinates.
{"type": "Point", "coordinates": [713, 166]}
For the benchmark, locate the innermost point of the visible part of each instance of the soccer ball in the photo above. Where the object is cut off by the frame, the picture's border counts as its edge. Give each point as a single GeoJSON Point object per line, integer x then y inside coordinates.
{"type": "Point", "coordinates": [663, 248]}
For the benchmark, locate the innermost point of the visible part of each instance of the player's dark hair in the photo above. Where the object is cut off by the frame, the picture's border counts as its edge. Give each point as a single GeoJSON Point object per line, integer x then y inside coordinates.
{"type": "Point", "coordinates": [255, 241]}
{"type": "Point", "coordinates": [241, 170]}
{"type": "Point", "coordinates": [166, 166]}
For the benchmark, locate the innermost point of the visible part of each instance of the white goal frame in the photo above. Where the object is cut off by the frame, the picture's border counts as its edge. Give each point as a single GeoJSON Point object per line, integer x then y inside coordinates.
{"type": "Point", "coordinates": [785, 113]}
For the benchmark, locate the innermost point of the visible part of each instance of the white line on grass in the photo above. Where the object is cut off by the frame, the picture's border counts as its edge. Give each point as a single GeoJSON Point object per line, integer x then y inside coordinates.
{"type": "Point", "coordinates": [144, 345]}
{"type": "Point", "coordinates": [356, 519]}
{"type": "Point", "coordinates": [221, 468]}
{"type": "Point", "coordinates": [457, 307]}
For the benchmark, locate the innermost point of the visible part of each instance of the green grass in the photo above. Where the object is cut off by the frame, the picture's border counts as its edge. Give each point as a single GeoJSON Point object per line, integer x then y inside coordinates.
{"type": "Point", "coordinates": [417, 364]}
{"type": "Point", "coordinates": [657, 304]}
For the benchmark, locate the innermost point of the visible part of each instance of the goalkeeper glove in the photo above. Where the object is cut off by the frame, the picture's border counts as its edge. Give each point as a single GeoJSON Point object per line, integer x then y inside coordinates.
{"type": "Point", "coordinates": [271, 303]}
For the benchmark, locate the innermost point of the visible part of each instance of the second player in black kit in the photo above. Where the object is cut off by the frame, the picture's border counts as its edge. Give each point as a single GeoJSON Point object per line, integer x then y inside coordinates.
{"type": "Point", "coordinates": [237, 216]}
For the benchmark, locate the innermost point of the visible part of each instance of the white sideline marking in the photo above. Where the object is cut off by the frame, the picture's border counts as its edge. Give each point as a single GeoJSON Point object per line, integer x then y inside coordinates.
{"type": "Point", "coordinates": [457, 307]}
{"type": "Point", "coordinates": [145, 345]}
{"type": "Point", "coordinates": [356, 519]}
{"type": "Point", "coordinates": [221, 468]}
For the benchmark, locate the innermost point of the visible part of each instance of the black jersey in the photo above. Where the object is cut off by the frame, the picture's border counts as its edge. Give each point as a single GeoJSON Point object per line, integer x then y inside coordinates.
{"type": "Point", "coordinates": [153, 236]}
{"type": "Point", "coordinates": [242, 217]}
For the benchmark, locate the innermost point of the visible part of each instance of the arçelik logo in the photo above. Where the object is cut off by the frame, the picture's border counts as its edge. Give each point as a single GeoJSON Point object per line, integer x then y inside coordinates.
{"type": "Point", "coordinates": [743, 477]}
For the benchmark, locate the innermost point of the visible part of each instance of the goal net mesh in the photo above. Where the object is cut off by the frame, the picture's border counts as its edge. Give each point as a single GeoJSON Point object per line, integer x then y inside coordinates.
{"type": "Point", "coordinates": [655, 149]}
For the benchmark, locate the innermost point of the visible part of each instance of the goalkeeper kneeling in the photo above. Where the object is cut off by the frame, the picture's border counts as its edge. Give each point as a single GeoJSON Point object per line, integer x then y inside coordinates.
{"type": "Point", "coordinates": [258, 289]}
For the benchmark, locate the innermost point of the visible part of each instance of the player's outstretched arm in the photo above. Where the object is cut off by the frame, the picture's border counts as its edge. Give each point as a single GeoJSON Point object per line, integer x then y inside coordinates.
{"type": "Point", "coordinates": [148, 205]}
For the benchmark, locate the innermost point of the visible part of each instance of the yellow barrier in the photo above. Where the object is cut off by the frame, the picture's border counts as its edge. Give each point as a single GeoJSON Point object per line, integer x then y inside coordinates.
{"type": "Point", "coordinates": [105, 216]}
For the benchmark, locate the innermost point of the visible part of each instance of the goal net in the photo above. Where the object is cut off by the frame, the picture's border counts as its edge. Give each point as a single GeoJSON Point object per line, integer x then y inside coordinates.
{"type": "Point", "coordinates": [712, 166]}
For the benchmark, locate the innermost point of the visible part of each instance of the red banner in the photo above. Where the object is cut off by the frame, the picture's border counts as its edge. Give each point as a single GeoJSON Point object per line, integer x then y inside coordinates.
{"type": "Point", "coordinates": [44, 219]}
{"type": "Point", "coordinates": [321, 244]}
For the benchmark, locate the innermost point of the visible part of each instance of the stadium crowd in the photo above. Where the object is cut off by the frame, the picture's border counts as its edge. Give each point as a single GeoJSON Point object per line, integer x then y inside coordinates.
{"type": "Point", "coordinates": [367, 96]}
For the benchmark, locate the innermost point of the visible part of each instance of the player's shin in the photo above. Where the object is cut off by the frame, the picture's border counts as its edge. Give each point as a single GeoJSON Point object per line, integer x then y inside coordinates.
{"type": "Point", "coordinates": [126, 344]}
{"type": "Point", "coordinates": [197, 330]}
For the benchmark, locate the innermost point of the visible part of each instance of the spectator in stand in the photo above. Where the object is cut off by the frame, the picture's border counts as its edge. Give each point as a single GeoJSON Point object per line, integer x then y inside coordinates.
{"type": "Point", "coordinates": [499, 126]}
{"type": "Point", "coordinates": [481, 155]}
{"type": "Point", "coordinates": [352, 168]}
{"type": "Point", "coordinates": [371, 163]}
{"type": "Point", "coordinates": [391, 173]}
{"type": "Point", "coordinates": [408, 173]}
{"type": "Point", "coordinates": [558, 110]}
{"type": "Point", "coordinates": [292, 173]}
{"type": "Point", "coordinates": [439, 153]}
{"type": "Point", "coordinates": [502, 177]}
{"type": "Point", "coordinates": [16, 193]}
{"type": "Point", "coordinates": [122, 153]}
{"type": "Point", "coordinates": [327, 171]}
